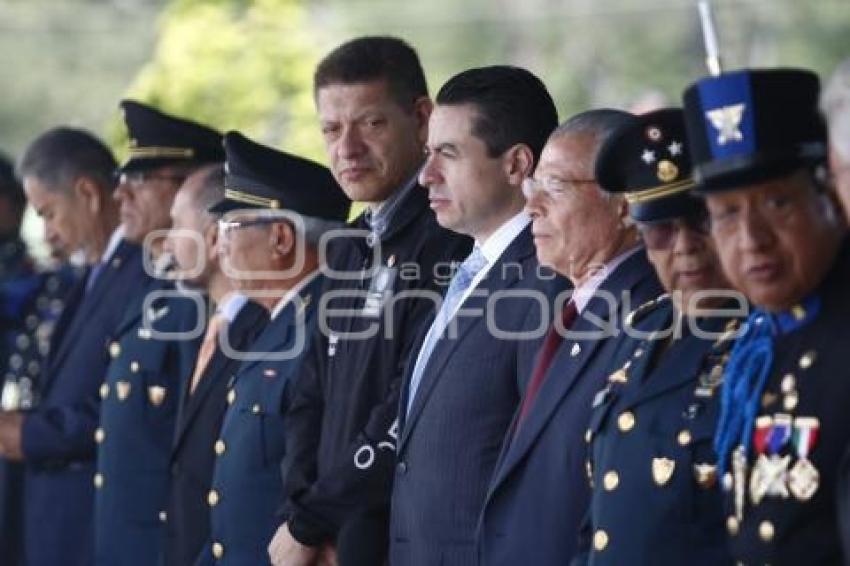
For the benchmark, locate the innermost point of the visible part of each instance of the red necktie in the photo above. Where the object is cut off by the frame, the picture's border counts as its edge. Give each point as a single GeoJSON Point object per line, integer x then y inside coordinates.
{"type": "Point", "coordinates": [544, 360]}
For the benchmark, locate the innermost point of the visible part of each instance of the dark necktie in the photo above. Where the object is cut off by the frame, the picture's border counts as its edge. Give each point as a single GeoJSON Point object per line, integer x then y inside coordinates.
{"type": "Point", "coordinates": [544, 360]}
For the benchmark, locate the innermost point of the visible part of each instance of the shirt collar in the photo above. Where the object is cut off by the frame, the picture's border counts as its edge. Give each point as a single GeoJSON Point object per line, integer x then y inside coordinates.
{"type": "Point", "coordinates": [112, 245]}
{"type": "Point", "coordinates": [230, 306]}
{"type": "Point", "coordinates": [378, 218]}
{"type": "Point", "coordinates": [306, 280]}
{"type": "Point", "coordinates": [494, 246]}
{"type": "Point", "coordinates": [585, 292]}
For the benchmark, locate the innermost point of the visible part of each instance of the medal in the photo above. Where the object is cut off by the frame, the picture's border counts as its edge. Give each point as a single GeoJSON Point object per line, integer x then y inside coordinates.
{"type": "Point", "coordinates": [804, 478]}
{"type": "Point", "coordinates": [739, 478]}
{"type": "Point", "coordinates": [758, 487]}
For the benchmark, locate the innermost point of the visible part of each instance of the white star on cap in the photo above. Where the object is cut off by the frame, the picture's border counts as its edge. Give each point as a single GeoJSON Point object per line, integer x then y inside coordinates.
{"type": "Point", "coordinates": [675, 148]}
{"type": "Point", "coordinates": [648, 156]}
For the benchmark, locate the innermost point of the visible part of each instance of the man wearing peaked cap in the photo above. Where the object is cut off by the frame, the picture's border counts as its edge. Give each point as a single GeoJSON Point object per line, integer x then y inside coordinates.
{"type": "Point", "coordinates": [142, 385]}
{"type": "Point", "coordinates": [279, 207]}
{"type": "Point", "coordinates": [261, 177]}
{"type": "Point", "coordinates": [759, 149]}
{"type": "Point", "coordinates": [661, 394]}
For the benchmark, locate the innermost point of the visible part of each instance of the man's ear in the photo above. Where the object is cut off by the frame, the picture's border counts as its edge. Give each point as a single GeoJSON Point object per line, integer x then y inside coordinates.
{"type": "Point", "coordinates": [88, 192]}
{"type": "Point", "coordinates": [422, 109]}
{"type": "Point", "coordinates": [211, 241]}
{"type": "Point", "coordinates": [282, 238]}
{"type": "Point", "coordinates": [518, 164]}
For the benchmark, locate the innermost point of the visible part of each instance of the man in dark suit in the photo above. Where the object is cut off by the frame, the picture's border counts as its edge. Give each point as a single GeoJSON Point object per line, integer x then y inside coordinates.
{"type": "Point", "coordinates": [373, 106]}
{"type": "Point", "coordinates": [538, 494]}
{"type": "Point", "coordinates": [259, 239]}
{"type": "Point", "coordinates": [759, 148]}
{"type": "Point", "coordinates": [154, 348]}
{"type": "Point", "coordinates": [235, 323]}
{"type": "Point", "coordinates": [68, 178]}
{"type": "Point", "coordinates": [462, 384]}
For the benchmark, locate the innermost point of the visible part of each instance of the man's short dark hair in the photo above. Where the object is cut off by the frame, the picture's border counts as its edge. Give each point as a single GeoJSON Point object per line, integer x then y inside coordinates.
{"type": "Point", "coordinates": [60, 156]}
{"type": "Point", "coordinates": [375, 58]}
{"type": "Point", "coordinates": [10, 186]}
{"type": "Point", "coordinates": [512, 104]}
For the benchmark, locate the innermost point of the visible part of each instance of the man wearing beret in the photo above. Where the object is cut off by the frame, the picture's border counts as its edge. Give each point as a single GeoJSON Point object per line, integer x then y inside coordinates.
{"type": "Point", "coordinates": [373, 107]}
{"type": "Point", "coordinates": [759, 152]}
{"type": "Point", "coordinates": [153, 350]}
{"type": "Point", "coordinates": [68, 177]}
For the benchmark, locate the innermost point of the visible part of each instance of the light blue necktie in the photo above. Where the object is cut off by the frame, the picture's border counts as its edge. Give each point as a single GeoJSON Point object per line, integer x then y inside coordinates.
{"type": "Point", "coordinates": [460, 283]}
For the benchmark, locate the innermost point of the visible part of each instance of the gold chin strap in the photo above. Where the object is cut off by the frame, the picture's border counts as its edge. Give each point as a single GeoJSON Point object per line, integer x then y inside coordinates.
{"type": "Point", "coordinates": [241, 196]}
{"type": "Point", "coordinates": [154, 152]}
{"type": "Point", "coordinates": [659, 192]}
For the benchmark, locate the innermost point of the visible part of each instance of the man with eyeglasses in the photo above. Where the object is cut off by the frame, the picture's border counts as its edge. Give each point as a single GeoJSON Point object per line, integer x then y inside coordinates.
{"type": "Point", "coordinates": [759, 150]}
{"type": "Point", "coordinates": [652, 424]}
{"type": "Point", "coordinates": [539, 494]}
{"type": "Point", "coordinates": [153, 350]}
{"type": "Point", "coordinates": [277, 207]}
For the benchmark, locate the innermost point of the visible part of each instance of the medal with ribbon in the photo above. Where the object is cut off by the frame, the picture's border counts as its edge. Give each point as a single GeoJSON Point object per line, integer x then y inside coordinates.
{"type": "Point", "coordinates": [804, 478]}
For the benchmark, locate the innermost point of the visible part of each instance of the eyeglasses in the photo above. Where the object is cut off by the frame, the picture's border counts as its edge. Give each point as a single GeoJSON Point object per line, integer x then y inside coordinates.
{"type": "Point", "coordinates": [552, 186]}
{"type": "Point", "coordinates": [136, 179]}
{"type": "Point", "coordinates": [227, 227]}
{"type": "Point", "coordinates": [661, 235]}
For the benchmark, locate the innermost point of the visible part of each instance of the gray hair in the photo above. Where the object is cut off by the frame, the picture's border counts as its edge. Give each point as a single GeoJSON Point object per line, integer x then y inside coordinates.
{"type": "Point", "coordinates": [60, 156]}
{"type": "Point", "coordinates": [310, 228]}
{"type": "Point", "coordinates": [835, 104]}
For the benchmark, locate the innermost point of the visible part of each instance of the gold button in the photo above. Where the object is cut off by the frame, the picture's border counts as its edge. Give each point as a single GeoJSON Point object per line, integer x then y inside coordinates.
{"type": "Point", "coordinates": [611, 481]}
{"type": "Point", "coordinates": [134, 367]}
{"type": "Point", "coordinates": [99, 435]}
{"type": "Point", "coordinates": [600, 540]}
{"type": "Point", "coordinates": [163, 516]}
{"type": "Point", "coordinates": [798, 312]}
{"type": "Point", "coordinates": [588, 435]}
{"type": "Point", "coordinates": [576, 350]}
{"type": "Point", "coordinates": [684, 437]}
{"type": "Point", "coordinates": [256, 409]}
{"type": "Point", "coordinates": [789, 383]}
{"type": "Point", "coordinates": [766, 531]}
{"type": "Point", "coordinates": [732, 525]}
{"type": "Point", "coordinates": [220, 447]}
{"type": "Point", "coordinates": [807, 359]}
{"type": "Point", "coordinates": [98, 481]}
{"type": "Point", "coordinates": [639, 352]}
{"type": "Point", "coordinates": [231, 396]}
{"type": "Point", "coordinates": [104, 390]}
{"type": "Point", "coordinates": [790, 401]}
{"type": "Point", "coordinates": [212, 498]}
{"type": "Point", "coordinates": [218, 550]}
{"type": "Point", "coordinates": [626, 421]}
{"type": "Point", "coordinates": [114, 349]}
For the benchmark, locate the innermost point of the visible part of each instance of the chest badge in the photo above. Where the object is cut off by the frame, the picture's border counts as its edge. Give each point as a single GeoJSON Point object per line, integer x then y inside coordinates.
{"type": "Point", "coordinates": [662, 470]}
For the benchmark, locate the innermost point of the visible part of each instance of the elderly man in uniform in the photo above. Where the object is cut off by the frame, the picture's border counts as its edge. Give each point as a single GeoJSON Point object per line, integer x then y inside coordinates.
{"type": "Point", "coordinates": [651, 426]}
{"type": "Point", "coordinates": [68, 176]}
{"type": "Point", "coordinates": [759, 153]}
{"type": "Point", "coordinates": [277, 207]}
{"type": "Point", "coordinates": [373, 107]}
{"type": "Point", "coordinates": [538, 495]}
{"type": "Point", "coordinates": [154, 348]}
{"type": "Point", "coordinates": [31, 301]}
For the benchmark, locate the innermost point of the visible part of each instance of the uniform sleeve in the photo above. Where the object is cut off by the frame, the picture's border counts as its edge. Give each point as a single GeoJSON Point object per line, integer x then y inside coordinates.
{"type": "Point", "coordinates": [60, 432]}
{"type": "Point", "coordinates": [363, 474]}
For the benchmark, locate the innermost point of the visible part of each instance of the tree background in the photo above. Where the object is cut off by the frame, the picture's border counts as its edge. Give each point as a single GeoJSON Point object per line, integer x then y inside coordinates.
{"type": "Point", "coordinates": [247, 64]}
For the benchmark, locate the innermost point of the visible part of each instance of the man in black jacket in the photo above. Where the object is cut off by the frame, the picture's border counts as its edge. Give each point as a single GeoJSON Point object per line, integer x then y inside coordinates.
{"type": "Point", "coordinates": [373, 105]}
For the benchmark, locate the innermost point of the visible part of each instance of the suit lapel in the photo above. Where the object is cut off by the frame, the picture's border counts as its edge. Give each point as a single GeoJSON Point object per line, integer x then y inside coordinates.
{"type": "Point", "coordinates": [566, 369]}
{"type": "Point", "coordinates": [519, 250]}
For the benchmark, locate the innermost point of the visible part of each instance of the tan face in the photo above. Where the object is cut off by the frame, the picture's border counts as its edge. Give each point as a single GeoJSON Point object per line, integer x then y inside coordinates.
{"type": "Point", "coordinates": [146, 201]}
{"type": "Point", "coordinates": [192, 238]}
{"type": "Point", "coordinates": [68, 215]}
{"type": "Point", "coordinates": [574, 224]}
{"type": "Point", "coordinates": [776, 239]}
{"type": "Point", "coordinates": [470, 192]}
{"type": "Point", "coordinates": [688, 264]}
{"type": "Point", "coordinates": [250, 250]}
{"type": "Point", "coordinates": [374, 146]}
